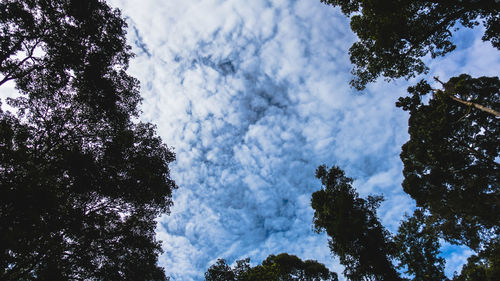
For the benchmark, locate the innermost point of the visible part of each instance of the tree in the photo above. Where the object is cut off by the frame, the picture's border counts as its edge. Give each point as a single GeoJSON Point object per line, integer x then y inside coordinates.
{"type": "Point", "coordinates": [220, 271]}
{"type": "Point", "coordinates": [282, 267]}
{"type": "Point", "coordinates": [80, 183]}
{"type": "Point", "coordinates": [483, 266]}
{"type": "Point", "coordinates": [418, 249]}
{"type": "Point", "coordinates": [355, 234]}
{"type": "Point", "coordinates": [451, 89]}
{"type": "Point", "coordinates": [291, 267]}
{"type": "Point", "coordinates": [450, 162]}
{"type": "Point", "coordinates": [75, 48]}
{"type": "Point", "coordinates": [395, 35]}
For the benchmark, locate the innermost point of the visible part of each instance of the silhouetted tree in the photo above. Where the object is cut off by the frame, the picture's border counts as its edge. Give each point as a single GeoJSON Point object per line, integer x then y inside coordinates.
{"type": "Point", "coordinates": [450, 162]}
{"type": "Point", "coordinates": [282, 267]}
{"type": "Point", "coordinates": [355, 234]}
{"type": "Point", "coordinates": [80, 183]}
{"type": "Point", "coordinates": [418, 249]}
{"type": "Point", "coordinates": [220, 271]}
{"type": "Point", "coordinates": [483, 266]}
{"type": "Point", "coordinates": [394, 35]}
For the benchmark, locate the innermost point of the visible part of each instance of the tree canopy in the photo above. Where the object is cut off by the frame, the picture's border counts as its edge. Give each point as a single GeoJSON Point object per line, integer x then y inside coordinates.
{"type": "Point", "coordinates": [394, 35]}
{"type": "Point", "coordinates": [418, 246]}
{"type": "Point", "coordinates": [355, 234]}
{"type": "Point", "coordinates": [282, 267]}
{"type": "Point", "coordinates": [451, 163]}
{"type": "Point", "coordinates": [80, 182]}
{"type": "Point", "coordinates": [483, 266]}
{"type": "Point", "coordinates": [451, 169]}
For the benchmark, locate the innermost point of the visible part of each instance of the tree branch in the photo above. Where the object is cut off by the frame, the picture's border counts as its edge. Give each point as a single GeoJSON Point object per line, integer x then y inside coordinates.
{"type": "Point", "coordinates": [10, 75]}
{"type": "Point", "coordinates": [468, 103]}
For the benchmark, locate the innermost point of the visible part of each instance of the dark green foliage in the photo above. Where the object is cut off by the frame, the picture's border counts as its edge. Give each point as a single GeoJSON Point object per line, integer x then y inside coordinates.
{"type": "Point", "coordinates": [74, 48]}
{"type": "Point", "coordinates": [484, 266]}
{"type": "Point", "coordinates": [356, 235]}
{"type": "Point", "coordinates": [80, 184]}
{"type": "Point", "coordinates": [290, 267]}
{"type": "Point", "coordinates": [282, 267]}
{"type": "Point", "coordinates": [450, 162]}
{"type": "Point", "coordinates": [418, 249]}
{"type": "Point", "coordinates": [394, 35]}
{"type": "Point", "coordinates": [220, 271]}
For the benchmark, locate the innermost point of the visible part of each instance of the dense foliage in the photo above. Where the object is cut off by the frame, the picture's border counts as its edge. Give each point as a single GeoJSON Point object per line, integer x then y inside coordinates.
{"type": "Point", "coordinates": [451, 163]}
{"type": "Point", "coordinates": [394, 35]}
{"type": "Point", "coordinates": [483, 266]}
{"type": "Point", "coordinates": [418, 246]}
{"type": "Point", "coordinates": [282, 267]}
{"type": "Point", "coordinates": [356, 235]}
{"type": "Point", "coordinates": [369, 252]}
{"type": "Point", "coordinates": [451, 160]}
{"type": "Point", "coordinates": [80, 183]}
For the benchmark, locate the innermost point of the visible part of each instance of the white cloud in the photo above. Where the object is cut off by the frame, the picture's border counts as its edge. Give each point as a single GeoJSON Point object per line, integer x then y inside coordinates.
{"type": "Point", "coordinates": [253, 97]}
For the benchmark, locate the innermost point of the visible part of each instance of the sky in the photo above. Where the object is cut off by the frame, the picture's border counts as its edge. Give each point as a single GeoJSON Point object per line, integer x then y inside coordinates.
{"type": "Point", "coordinates": [252, 96]}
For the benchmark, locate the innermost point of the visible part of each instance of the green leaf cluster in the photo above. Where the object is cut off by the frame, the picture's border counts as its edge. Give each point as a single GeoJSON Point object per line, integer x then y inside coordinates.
{"type": "Point", "coordinates": [394, 35]}
{"type": "Point", "coordinates": [355, 234]}
{"type": "Point", "coordinates": [80, 182]}
{"type": "Point", "coordinates": [450, 162]}
{"type": "Point", "coordinates": [282, 267]}
{"type": "Point", "coordinates": [451, 165]}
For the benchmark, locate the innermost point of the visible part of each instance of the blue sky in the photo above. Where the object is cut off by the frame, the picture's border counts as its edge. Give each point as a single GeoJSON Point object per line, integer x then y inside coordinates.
{"type": "Point", "coordinates": [253, 96]}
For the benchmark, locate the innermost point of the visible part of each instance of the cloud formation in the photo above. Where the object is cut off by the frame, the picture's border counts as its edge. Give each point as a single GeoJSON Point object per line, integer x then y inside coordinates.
{"type": "Point", "coordinates": [253, 97]}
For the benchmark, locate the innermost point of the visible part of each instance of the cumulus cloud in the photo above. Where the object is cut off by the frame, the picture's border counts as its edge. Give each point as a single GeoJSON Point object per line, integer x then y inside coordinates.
{"type": "Point", "coordinates": [253, 97]}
